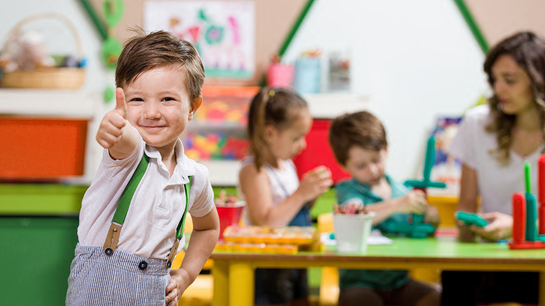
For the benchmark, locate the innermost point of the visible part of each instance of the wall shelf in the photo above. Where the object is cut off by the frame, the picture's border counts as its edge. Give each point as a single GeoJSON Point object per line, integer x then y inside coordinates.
{"type": "Point", "coordinates": [46, 102]}
{"type": "Point", "coordinates": [331, 105]}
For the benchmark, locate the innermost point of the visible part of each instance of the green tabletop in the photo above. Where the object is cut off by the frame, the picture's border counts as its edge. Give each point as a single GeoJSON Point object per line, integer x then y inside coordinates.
{"type": "Point", "coordinates": [441, 252]}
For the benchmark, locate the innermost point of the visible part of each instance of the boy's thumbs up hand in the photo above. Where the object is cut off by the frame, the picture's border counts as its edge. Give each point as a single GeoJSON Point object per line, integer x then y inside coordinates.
{"type": "Point", "coordinates": [112, 125]}
{"type": "Point", "coordinates": [120, 104]}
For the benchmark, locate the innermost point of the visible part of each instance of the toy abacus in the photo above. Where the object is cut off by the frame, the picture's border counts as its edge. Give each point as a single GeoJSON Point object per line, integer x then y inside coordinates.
{"type": "Point", "coordinates": [525, 213]}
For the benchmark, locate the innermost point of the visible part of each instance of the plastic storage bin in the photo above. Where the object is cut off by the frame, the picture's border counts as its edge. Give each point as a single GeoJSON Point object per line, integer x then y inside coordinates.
{"type": "Point", "coordinates": [41, 148]}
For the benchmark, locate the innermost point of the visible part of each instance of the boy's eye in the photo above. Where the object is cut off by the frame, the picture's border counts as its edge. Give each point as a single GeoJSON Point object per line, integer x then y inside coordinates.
{"type": "Point", "coordinates": [136, 100]}
{"type": "Point", "coordinates": [169, 99]}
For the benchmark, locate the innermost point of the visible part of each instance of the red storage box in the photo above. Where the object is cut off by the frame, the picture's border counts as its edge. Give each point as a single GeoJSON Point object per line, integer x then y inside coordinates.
{"type": "Point", "coordinates": [318, 152]}
{"type": "Point", "coordinates": [41, 148]}
{"type": "Point", "coordinates": [229, 215]}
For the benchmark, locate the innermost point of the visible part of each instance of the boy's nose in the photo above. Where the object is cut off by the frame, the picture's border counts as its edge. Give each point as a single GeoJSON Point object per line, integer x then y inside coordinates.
{"type": "Point", "coordinates": [373, 168]}
{"type": "Point", "coordinates": [151, 110]}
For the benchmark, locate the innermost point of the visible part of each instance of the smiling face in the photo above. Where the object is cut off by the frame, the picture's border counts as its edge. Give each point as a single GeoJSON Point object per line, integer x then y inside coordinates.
{"type": "Point", "coordinates": [512, 86]}
{"type": "Point", "coordinates": [159, 107]}
{"type": "Point", "coordinates": [286, 143]}
{"type": "Point", "coordinates": [366, 166]}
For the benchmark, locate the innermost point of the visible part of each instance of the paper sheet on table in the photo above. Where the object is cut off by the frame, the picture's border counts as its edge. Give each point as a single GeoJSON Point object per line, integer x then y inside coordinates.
{"type": "Point", "coordinates": [375, 238]}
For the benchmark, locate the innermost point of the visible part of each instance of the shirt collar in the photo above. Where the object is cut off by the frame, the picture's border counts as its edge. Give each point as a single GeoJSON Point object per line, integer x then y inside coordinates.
{"type": "Point", "coordinates": [184, 166]}
{"type": "Point", "coordinates": [365, 190]}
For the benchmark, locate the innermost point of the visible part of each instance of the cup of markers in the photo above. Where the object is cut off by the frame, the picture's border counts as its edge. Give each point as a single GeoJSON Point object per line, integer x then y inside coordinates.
{"type": "Point", "coordinates": [352, 226]}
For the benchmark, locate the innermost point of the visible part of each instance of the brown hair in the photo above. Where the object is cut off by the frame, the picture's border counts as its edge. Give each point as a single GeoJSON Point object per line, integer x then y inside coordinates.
{"type": "Point", "coordinates": [361, 129]}
{"type": "Point", "coordinates": [528, 50]}
{"type": "Point", "coordinates": [271, 106]}
{"type": "Point", "coordinates": [144, 52]}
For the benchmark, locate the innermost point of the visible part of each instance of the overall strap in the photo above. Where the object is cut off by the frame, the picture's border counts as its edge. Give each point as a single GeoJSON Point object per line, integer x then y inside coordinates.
{"type": "Point", "coordinates": [123, 206]}
{"type": "Point", "coordinates": [181, 226]}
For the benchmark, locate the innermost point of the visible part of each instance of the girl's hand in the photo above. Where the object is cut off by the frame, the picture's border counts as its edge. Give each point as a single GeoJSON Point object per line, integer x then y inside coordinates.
{"type": "Point", "coordinates": [111, 128]}
{"type": "Point", "coordinates": [413, 202]}
{"type": "Point", "coordinates": [314, 183]}
{"type": "Point", "coordinates": [179, 281]}
{"type": "Point", "coordinates": [499, 226]}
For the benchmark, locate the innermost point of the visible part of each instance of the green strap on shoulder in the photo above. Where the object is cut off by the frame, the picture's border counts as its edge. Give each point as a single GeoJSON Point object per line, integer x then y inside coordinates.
{"type": "Point", "coordinates": [128, 193]}
{"type": "Point", "coordinates": [181, 225]}
{"type": "Point", "coordinates": [126, 198]}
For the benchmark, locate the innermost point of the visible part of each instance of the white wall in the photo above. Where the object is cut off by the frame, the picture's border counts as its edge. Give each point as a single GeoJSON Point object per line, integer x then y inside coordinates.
{"type": "Point", "coordinates": [415, 59]}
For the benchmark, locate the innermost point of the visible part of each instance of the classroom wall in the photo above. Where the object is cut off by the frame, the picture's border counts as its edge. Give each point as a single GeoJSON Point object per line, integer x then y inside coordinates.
{"type": "Point", "coordinates": [414, 59]}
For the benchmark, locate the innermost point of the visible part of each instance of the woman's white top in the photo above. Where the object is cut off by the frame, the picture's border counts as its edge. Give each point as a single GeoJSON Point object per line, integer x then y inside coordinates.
{"type": "Point", "coordinates": [283, 183]}
{"type": "Point", "coordinates": [496, 182]}
{"type": "Point", "coordinates": [156, 208]}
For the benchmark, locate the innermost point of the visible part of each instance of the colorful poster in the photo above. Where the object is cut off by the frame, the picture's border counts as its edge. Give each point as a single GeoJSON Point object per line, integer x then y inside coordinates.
{"type": "Point", "coordinates": [446, 168]}
{"type": "Point", "coordinates": [222, 32]}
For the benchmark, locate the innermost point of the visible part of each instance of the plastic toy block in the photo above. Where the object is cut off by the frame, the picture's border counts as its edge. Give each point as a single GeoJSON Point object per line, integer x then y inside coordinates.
{"type": "Point", "coordinates": [525, 212]}
{"type": "Point", "coordinates": [541, 194]}
{"type": "Point", "coordinates": [527, 245]}
{"type": "Point", "coordinates": [425, 182]}
{"type": "Point", "coordinates": [471, 219]}
{"type": "Point", "coordinates": [411, 230]}
{"type": "Point", "coordinates": [519, 217]}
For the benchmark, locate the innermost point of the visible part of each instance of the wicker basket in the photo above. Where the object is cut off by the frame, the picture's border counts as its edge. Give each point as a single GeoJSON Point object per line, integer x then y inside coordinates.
{"type": "Point", "coordinates": [64, 78]}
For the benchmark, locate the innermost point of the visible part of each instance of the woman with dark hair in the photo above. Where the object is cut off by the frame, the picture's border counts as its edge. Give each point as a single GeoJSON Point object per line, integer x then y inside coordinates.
{"type": "Point", "coordinates": [493, 143]}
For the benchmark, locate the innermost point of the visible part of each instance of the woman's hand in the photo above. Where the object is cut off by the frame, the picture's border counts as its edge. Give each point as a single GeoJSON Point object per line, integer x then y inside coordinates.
{"type": "Point", "coordinates": [499, 226]}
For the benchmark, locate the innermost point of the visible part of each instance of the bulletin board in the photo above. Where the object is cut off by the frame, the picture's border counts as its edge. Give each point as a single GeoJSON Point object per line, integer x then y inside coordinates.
{"type": "Point", "coordinates": [273, 22]}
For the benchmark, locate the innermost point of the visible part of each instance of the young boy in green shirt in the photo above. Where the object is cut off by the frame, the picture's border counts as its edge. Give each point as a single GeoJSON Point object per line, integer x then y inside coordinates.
{"type": "Point", "coordinates": [359, 143]}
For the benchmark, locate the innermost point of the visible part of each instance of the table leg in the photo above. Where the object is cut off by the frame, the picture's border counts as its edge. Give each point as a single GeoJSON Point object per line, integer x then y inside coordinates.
{"type": "Point", "coordinates": [541, 300]}
{"type": "Point", "coordinates": [220, 272]}
{"type": "Point", "coordinates": [241, 284]}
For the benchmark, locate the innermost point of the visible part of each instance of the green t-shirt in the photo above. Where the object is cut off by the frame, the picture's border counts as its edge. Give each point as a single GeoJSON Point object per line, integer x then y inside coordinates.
{"type": "Point", "coordinates": [374, 279]}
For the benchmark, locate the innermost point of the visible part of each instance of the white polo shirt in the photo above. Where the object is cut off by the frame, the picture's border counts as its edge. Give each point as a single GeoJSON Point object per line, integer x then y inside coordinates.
{"type": "Point", "coordinates": [496, 182]}
{"type": "Point", "coordinates": [157, 206]}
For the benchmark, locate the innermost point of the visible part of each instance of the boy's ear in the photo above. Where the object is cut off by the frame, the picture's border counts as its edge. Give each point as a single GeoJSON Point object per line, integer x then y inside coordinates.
{"type": "Point", "coordinates": [194, 106]}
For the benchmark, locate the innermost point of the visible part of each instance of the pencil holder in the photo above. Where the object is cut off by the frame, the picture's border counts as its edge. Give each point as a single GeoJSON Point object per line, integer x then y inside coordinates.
{"type": "Point", "coordinates": [352, 231]}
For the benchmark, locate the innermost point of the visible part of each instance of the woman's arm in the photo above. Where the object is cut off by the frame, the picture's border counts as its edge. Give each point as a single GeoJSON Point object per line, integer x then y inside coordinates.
{"type": "Point", "coordinates": [468, 199]}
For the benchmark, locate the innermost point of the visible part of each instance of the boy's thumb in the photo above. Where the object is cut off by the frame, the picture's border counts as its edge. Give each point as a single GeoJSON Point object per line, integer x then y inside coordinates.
{"type": "Point", "coordinates": [120, 101]}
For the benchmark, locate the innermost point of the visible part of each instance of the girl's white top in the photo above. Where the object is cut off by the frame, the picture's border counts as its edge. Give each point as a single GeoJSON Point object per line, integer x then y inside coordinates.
{"type": "Point", "coordinates": [157, 206]}
{"type": "Point", "coordinates": [496, 182]}
{"type": "Point", "coordinates": [283, 183]}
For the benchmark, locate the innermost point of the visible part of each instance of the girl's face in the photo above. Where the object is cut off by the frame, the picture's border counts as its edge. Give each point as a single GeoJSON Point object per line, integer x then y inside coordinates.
{"type": "Point", "coordinates": [159, 107]}
{"type": "Point", "coordinates": [512, 86]}
{"type": "Point", "coordinates": [285, 144]}
{"type": "Point", "coordinates": [366, 166]}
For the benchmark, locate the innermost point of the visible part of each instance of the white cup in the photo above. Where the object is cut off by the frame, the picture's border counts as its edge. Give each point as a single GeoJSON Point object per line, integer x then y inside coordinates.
{"type": "Point", "coordinates": [352, 231]}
